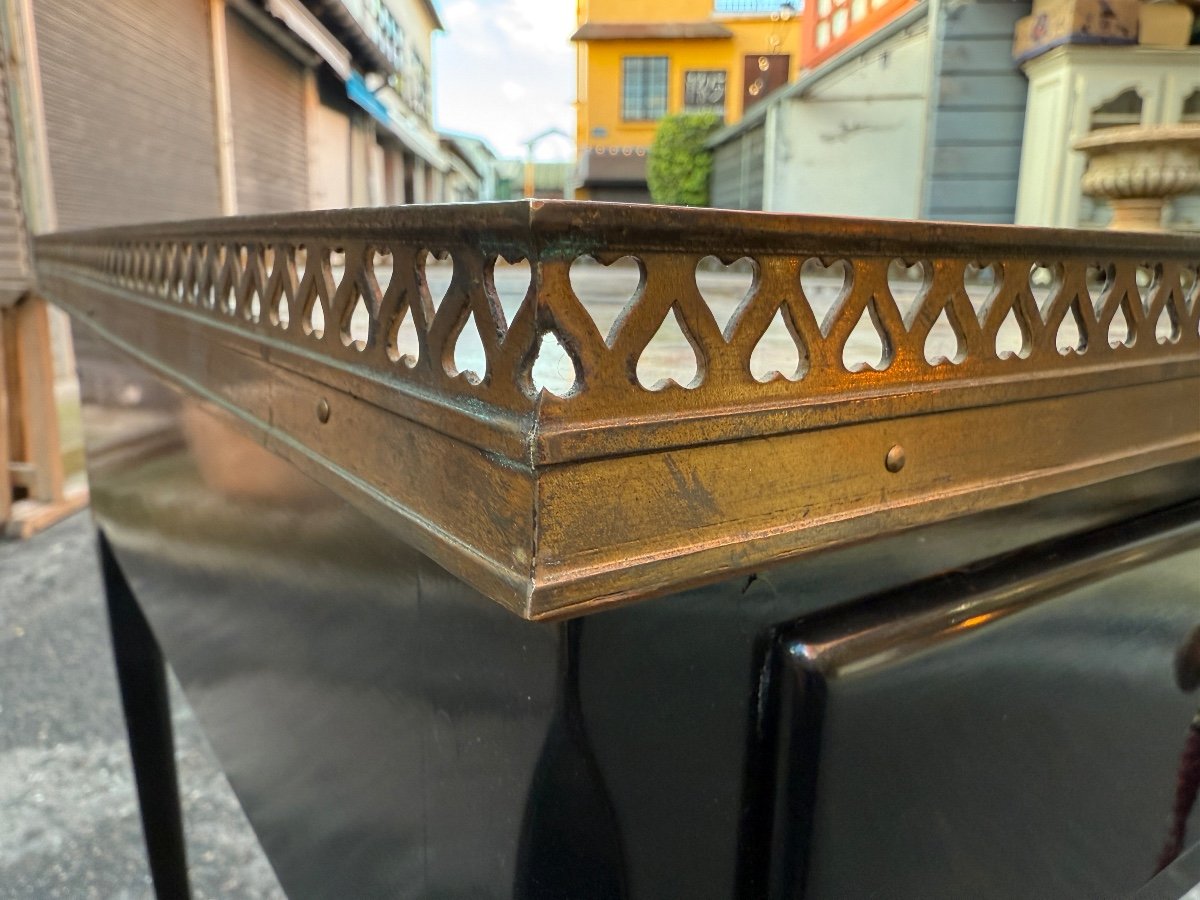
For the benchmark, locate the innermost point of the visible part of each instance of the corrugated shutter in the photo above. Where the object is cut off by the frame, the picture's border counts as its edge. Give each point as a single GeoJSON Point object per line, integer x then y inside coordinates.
{"type": "Point", "coordinates": [128, 93]}
{"type": "Point", "coordinates": [15, 277]}
{"type": "Point", "coordinates": [266, 87]}
{"type": "Point", "coordinates": [737, 175]}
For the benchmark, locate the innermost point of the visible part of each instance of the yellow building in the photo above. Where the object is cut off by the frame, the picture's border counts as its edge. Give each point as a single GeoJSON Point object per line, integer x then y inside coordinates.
{"type": "Point", "coordinates": [637, 62]}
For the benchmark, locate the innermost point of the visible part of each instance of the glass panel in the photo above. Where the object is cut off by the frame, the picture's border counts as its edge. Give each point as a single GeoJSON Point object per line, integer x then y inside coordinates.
{"type": "Point", "coordinates": [841, 21]}
{"type": "Point", "coordinates": [643, 87]}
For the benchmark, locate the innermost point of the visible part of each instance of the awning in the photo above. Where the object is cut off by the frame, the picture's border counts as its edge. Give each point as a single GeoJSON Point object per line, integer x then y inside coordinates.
{"type": "Point", "coordinates": [357, 90]}
{"type": "Point", "coordinates": [646, 31]}
{"type": "Point", "coordinates": [612, 166]}
{"type": "Point", "coordinates": [308, 28]}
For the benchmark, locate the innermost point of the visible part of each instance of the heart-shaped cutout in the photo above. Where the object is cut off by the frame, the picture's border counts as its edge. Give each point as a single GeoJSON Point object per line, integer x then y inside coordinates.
{"type": "Point", "coordinates": [725, 285]}
{"type": "Point", "coordinates": [1166, 329]}
{"type": "Point", "coordinates": [470, 359]}
{"type": "Point", "coordinates": [907, 281]}
{"type": "Point", "coordinates": [403, 345]}
{"type": "Point", "coordinates": [669, 357]}
{"type": "Point", "coordinates": [356, 323]}
{"type": "Point", "coordinates": [824, 282]}
{"type": "Point", "coordinates": [1189, 284]}
{"type": "Point", "coordinates": [509, 283]}
{"type": "Point", "coordinates": [778, 353]}
{"type": "Point", "coordinates": [1120, 329]}
{"type": "Point", "coordinates": [380, 266]}
{"type": "Point", "coordinates": [1012, 338]}
{"type": "Point", "coordinates": [1070, 337]}
{"type": "Point", "coordinates": [943, 343]}
{"type": "Point", "coordinates": [1099, 280]}
{"type": "Point", "coordinates": [553, 369]}
{"type": "Point", "coordinates": [606, 287]}
{"type": "Point", "coordinates": [1044, 282]}
{"type": "Point", "coordinates": [1147, 278]}
{"type": "Point", "coordinates": [865, 347]}
{"type": "Point", "coordinates": [435, 271]}
{"type": "Point", "coordinates": [981, 281]}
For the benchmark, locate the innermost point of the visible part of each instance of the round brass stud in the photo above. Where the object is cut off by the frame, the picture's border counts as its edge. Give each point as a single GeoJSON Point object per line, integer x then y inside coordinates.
{"type": "Point", "coordinates": [323, 410]}
{"type": "Point", "coordinates": [894, 461]}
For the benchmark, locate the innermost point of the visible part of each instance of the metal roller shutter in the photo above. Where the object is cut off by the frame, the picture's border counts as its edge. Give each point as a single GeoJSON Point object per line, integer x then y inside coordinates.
{"type": "Point", "coordinates": [128, 93]}
{"type": "Point", "coordinates": [266, 87]}
{"type": "Point", "coordinates": [15, 277]}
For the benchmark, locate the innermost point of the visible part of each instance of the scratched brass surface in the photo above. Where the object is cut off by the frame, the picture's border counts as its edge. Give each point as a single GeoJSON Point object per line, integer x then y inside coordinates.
{"type": "Point", "coordinates": [482, 377]}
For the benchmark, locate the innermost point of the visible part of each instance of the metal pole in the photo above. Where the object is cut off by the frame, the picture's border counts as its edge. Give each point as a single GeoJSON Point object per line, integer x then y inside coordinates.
{"type": "Point", "coordinates": [224, 111]}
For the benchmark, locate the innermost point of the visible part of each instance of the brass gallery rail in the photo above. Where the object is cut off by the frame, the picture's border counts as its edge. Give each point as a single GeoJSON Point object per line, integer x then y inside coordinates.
{"type": "Point", "coordinates": [618, 490]}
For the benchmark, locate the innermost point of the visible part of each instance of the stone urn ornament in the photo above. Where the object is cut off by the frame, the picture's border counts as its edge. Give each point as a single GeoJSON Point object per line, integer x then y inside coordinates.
{"type": "Point", "coordinates": [1137, 169]}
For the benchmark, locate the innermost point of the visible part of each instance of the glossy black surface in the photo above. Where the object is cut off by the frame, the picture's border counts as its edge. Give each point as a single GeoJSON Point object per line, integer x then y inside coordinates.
{"type": "Point", "coordinates": [392, 733]}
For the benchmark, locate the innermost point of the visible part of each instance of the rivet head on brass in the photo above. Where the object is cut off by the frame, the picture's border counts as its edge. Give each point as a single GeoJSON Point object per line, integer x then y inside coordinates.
{"type": "Point", "coordinates": [323, 410]}
{"type": "Point", "coordinates": [894, 461]}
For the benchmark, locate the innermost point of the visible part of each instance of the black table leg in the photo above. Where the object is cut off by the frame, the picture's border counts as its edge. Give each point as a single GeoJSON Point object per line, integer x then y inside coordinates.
{"type": "Point", "coordinates": [142, 675]}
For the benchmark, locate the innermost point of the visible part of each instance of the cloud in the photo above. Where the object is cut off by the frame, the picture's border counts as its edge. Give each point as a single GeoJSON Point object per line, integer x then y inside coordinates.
{"type": "Point", "coordinates": [505, 70]}
{"type": "Point", "coordinates": [512, 91]}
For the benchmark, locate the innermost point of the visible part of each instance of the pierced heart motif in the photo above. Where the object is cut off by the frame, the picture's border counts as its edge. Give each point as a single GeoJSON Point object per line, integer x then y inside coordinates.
{"type": "Point", "coordinates": [1147, 279]}
{"type": "Point", "coordinates": [356, 323]}
{"type": "Point", "coordinates": [553, 369]}
{"type": "Point", "coordinates": [778, 353]}
{"type": "Point", "coordinates": [1012, 338]}
{"type": "Point", "coordinates": [470, 358]}
{"type": "Point", "coordinates": [907, 282]}
{"type": "Point", "coordinates": [1120, 329]}
{"type": "Point", "coordinates": [669, 357]}
{"type": "Point", "coordinates": [606, 288]}
{"type": "Point", "coordinates": [435, 272]}
{"type": "Point", "coordinates": [1070, 337]}
{"type": "Point", "coordinates": [866, 347]}
{"type": "Point", "coordinates": [1099, 280]}
{"type": "Point", "coordinates": [943, 344]}
{"type": "Point", "coordinates": [508, 282]}
{"type": "Point", "coordinates": [725, 285]}
{"type": "Point", "coordinates": [314, 320]}
{"type": "Point", "coordinates": [1189, 284]}
{"type": "Point", "coordinates": [825, 283]}
{"type": "Point", "coordinates": [1043, 284]}
{"type": "Point", "coordinates": [1166, 329]}
{"type": "Point", "coordinates": [403, 345]}
{"type": "Point", "coordinates": [380, 268]}
{"type": "Point", "coordinates": [309, 303]}
{"type": "Point", "coordinates": [981, 282]}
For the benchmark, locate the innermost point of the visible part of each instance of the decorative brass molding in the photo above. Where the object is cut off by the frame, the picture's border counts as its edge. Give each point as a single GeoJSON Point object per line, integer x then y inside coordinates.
{"type": "Point", "coordinates": [617, 490]}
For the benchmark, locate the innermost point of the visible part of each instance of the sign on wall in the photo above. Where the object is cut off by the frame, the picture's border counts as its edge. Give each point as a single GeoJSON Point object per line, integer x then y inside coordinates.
{"type": "Point", "coordinates": [764, 72]}
{"type": "Point", "coordinates": [704, 91]}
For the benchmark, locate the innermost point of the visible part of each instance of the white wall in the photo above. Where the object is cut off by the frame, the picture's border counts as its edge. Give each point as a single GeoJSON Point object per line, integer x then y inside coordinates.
{"type": "Point", "coordinates": [854, 144]}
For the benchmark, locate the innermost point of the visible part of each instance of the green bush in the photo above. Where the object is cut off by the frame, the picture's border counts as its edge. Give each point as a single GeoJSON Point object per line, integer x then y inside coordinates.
{"type": "Point", "coordinates": [679, 165]}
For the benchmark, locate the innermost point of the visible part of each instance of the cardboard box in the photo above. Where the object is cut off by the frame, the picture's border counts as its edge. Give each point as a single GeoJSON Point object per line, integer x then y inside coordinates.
{"type": "Point", "coordinates": [1057, 22]}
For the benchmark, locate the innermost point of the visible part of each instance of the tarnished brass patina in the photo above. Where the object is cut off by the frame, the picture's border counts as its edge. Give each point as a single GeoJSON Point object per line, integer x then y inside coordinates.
{"type": "Point", "coordinates": [556, 505]}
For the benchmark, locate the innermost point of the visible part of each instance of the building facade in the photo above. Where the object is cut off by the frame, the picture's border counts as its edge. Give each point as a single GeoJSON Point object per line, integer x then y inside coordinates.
{"type": "Point", "coordinates": [145, 110]}
{"type": "Point", "coordinates": [636, 63]}
{"type": "Point", "coordinates": [205, 107]}
{"type": "Point", "coordinates": [918, 114]}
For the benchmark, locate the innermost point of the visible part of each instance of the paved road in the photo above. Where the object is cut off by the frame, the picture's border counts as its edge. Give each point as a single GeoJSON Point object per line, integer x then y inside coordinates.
{"type": "Point", "coordinates": [68, 813]}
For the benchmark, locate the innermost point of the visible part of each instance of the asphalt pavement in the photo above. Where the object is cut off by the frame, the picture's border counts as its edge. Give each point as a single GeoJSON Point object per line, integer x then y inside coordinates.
{"type": "Point", "coordinates": [69, 825]}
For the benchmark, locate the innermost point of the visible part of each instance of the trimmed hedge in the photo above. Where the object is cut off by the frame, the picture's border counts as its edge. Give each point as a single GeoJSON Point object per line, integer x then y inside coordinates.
{"type": "Point", "coordinates": [679, 166]}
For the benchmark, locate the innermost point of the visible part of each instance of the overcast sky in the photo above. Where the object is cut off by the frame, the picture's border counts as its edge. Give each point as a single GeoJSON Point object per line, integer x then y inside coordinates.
{"type": "Point", "coordinates": [505, 70]}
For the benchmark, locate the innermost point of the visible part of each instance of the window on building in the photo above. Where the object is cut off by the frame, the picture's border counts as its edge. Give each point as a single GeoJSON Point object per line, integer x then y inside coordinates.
{"type": "Point", "coordinates": [643, 87]}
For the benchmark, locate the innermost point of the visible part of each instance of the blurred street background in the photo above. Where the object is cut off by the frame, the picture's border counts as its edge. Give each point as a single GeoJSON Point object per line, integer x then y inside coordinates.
{"type": "Point", "coordinates": [150, 110]}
